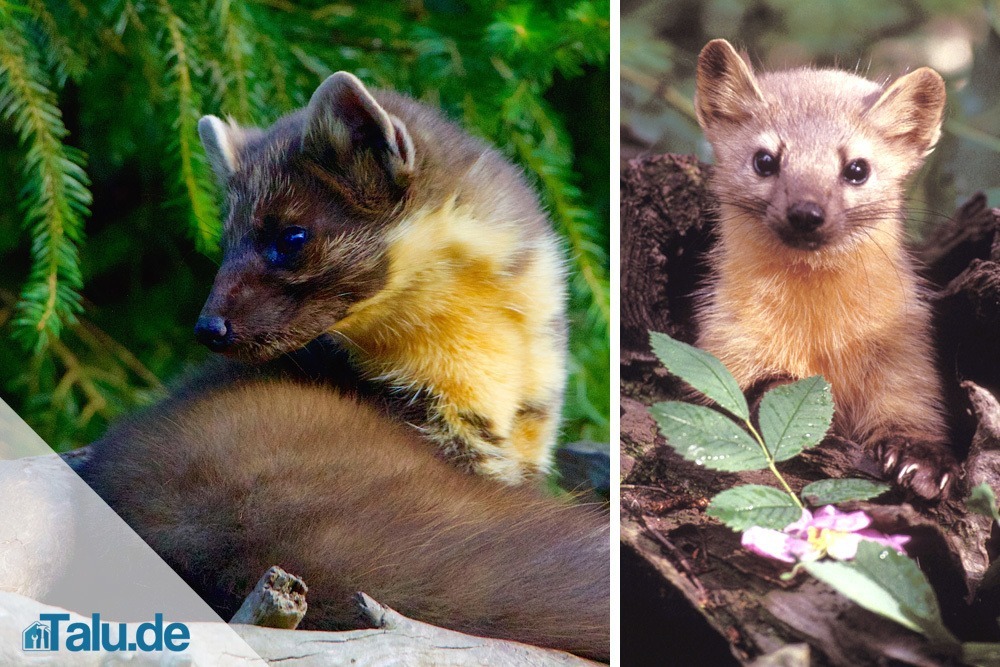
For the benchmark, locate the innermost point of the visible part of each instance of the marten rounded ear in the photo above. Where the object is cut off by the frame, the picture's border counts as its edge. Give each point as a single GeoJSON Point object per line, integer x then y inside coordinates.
{"type": "Point", "coordinates": [343, 117]}
{"type": "Point", "coordinates": [726, 89]}
{"type": "Point", "coordinates": [222, 142]}
{"type": "Point", "coordinates": [910, 110]}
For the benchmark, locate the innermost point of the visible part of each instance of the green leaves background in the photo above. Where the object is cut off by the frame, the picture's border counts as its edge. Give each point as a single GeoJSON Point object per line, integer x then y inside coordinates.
{"type": "Point", "coordinates": [109, 229]}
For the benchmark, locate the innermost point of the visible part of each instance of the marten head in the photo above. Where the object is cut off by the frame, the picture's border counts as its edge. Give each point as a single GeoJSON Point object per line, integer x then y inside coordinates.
{"type": "Point", "coordinates": [309, 203]}
{"type": "Point", "coordinates": [815, 159]}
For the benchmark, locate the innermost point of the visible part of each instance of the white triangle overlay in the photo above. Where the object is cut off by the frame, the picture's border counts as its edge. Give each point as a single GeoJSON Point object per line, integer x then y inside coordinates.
{"type": "Point", "coordinates": [62, 546]}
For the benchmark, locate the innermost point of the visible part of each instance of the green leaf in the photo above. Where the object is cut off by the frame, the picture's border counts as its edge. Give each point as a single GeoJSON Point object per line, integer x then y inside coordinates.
{"type": "Point", "coordinates": [796, 416]}
{"type": "Point", "coordinates": [981, 654]}
{"type": "Point", "coordinates": [833, 491]}
{"type": "Point", "coordinates": [702, 371]}
{"type": "Point", "coordinates": [983, 501]}
{"type": "Point", "coordinates": [708, 437]}
{"type": "Point", "coordinates": [887, 583]}
{"type": "Point", "coordinates": [754, 505]}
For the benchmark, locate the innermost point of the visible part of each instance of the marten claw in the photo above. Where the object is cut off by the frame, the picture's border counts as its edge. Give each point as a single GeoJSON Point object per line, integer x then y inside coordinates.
{"type": "Point", "coordinates": [906, 471]}
{"type": "Point", "coordinates": [925, 469]}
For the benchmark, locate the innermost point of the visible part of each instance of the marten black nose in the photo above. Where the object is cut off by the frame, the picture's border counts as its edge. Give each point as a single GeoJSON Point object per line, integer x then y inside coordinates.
{"type": "Point", "coordinates": [805, 216]}
{"type": "Point", "coordinates": [213, 332]}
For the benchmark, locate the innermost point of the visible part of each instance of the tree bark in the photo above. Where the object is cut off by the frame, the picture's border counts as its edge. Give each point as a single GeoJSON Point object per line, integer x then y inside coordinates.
{"type": "Point", "coordinates": [704, 592]}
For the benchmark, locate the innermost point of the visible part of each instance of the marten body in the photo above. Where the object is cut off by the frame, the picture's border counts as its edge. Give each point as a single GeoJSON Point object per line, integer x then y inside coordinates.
{"type": "Point", "coordinates": [810, 272]}
{"type": "Point", "coordinates": [227, 480]}
{"type": "Point", "coordinates": [372, 218]}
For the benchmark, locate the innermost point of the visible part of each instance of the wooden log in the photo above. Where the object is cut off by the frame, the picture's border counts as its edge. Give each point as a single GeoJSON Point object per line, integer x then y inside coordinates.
{"type": "Point", "coordinates": [398, 641]}
{"type": "Point", "coordinates": [277, 601]}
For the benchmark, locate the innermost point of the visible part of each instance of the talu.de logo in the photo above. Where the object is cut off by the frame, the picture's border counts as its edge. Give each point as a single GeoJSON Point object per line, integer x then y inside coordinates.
{"type": "Point", "coordinates": [47, 633]}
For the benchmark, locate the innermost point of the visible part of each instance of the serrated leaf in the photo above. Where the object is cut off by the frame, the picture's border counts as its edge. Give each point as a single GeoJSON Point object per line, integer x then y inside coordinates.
{"type": "Point", "coordinates": [754, 505]}
{"type": "Point", "coordinates": [833, 491]}
{"type": "Point", "coordinates": [796, 416]}
{"type": "Point", "coordinates": [887, 583]}
{"type": "Point", "coordinates": [983, 501]}
{"type": "Point", "coordinates": [702, 371]}
{"type": "Point", "coordinates": [707, 437]}
{"type": "Point", "coordinates": [981, 654]}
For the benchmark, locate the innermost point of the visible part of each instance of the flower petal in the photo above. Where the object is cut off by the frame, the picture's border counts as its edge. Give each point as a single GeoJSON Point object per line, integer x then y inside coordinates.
{"type": "Point", "coordinates": [805, 550]}
{"type": "Point", "coordinates": [846, 522]}
{"type": "Point", "coordinates": [843, 546]}
{"type": "Point", "coordinates": [897, 542]}
{"type": "Point", "coordinates": [800, 527]}
{"type": "Point", "coordinates": [769, 543]}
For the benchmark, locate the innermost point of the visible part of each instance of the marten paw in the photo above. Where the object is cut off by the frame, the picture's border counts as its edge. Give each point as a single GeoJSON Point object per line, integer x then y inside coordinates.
{"type": "Point", "coordinates": [927, 469]}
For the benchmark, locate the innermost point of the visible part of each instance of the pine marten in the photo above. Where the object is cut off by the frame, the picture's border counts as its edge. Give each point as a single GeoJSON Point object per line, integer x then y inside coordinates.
{"type": "Point", "coordinates": [369, 216]}
{"type": "Point", "coordinates": [225, 480]}
{"type": "Point", "coordinates": [811, 275]}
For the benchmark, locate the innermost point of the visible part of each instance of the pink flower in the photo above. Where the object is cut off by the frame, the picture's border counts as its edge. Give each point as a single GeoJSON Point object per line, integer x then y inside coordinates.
{"type": "Point", "coordinates": [829, 532]}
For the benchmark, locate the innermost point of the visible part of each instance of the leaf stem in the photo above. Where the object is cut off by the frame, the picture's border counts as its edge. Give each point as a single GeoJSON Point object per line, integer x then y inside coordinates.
{"type": "Point", "coordinates": [770, 463]}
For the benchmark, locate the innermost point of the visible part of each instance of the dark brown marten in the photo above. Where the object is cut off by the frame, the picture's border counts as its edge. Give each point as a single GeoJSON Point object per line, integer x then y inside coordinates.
{"type": "Point", "coordinates": [420, 249]}
{"type": "Point", "coordinates": [228, 478]}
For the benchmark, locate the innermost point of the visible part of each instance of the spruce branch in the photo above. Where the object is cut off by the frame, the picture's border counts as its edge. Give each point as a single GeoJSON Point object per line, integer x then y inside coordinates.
{"type": "Point", "coordinates": [233, 29]}
{"type": "Point", "coordinates": [61, 58]}
{"type": "Point", "coordinates": [204, 214]}
{"type": "Point", "coordinates": [55, 196]}
{"type": "Point", "coordinates": [577, 224]}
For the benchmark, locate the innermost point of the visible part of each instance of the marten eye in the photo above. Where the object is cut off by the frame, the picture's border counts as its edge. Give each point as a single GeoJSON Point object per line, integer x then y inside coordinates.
{"type": "Point", "coordinates": [765, 163]}
{"type": "Point", "coordinates": [289, 242]}
{"type": "Point", "coordinates": [856, 172]}
{"type": "Point", "coordinates": [291, 239]}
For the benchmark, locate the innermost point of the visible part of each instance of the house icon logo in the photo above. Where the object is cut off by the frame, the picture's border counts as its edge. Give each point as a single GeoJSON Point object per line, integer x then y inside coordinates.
{"type": "Point", "coordinates": [37, 637]}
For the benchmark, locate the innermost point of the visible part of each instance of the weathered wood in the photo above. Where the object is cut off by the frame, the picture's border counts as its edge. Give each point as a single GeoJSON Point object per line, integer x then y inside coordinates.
{"type": "Point", "coordinates": [667, 226]}
{"type": "Point", "coordinates": [277, 601]}
{"type": "Point", "coordinates": [398, 641]}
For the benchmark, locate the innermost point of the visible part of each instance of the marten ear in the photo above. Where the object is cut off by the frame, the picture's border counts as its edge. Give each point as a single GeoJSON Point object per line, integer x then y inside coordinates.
{"type": "Point", "coordinates": [911, 109]}
{"type": "Point", "coordinates": [726, 88]}
{"type": "Point", "coordinates": [344, 123]}
{"type": "Point", "coordinates": [222, 142]}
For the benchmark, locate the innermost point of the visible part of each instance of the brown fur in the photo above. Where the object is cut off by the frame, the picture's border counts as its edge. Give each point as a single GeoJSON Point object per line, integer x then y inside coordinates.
{"type": "Point", "coordinates": [843, 300]}
{"type": "Point", "coordinates": [429, 259]}
{"type": "Point", "coordinates": [225, 482]}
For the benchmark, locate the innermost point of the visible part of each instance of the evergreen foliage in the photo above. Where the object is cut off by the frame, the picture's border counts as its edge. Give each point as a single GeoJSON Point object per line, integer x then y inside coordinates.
{"type": "Point", "coordinates": [100, 101]}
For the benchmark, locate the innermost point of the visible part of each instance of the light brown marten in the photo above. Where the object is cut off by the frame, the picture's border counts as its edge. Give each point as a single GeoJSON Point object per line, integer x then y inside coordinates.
{"type": "Point", "coordinates": [811, 275]}
{"type": "Point", "coordinates": [369, 216]}
{"type": "Point", "coordinates": [226, 480]}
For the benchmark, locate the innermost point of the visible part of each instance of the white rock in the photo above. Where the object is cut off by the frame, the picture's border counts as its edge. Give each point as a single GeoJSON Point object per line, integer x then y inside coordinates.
{"type": "Point", "coordinates": [37, 522]}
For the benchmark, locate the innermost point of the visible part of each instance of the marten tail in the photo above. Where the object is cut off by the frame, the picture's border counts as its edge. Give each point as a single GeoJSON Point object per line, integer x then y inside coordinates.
{"type": "Point", "coordinates": [225, 484]}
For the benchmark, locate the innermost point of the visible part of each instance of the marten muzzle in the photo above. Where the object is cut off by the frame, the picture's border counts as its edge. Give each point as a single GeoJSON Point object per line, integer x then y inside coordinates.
{"type": "Point", "coordinates": [214, 332]}
{"type": "Point", "coordinates": [805, 226]}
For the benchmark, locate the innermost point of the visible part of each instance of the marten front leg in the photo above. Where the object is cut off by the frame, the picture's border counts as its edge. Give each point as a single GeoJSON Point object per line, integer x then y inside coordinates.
{"type": "Point", "coordinates": [755, 392]}
{"type": "Point", "coordinates": [925, 467]}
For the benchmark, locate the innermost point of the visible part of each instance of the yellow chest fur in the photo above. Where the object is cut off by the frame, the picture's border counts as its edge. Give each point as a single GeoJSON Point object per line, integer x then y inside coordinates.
{"type": "Point", "coordinates": [470, 317]}
{"type": "Point", "coordinates": [771, 313]}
